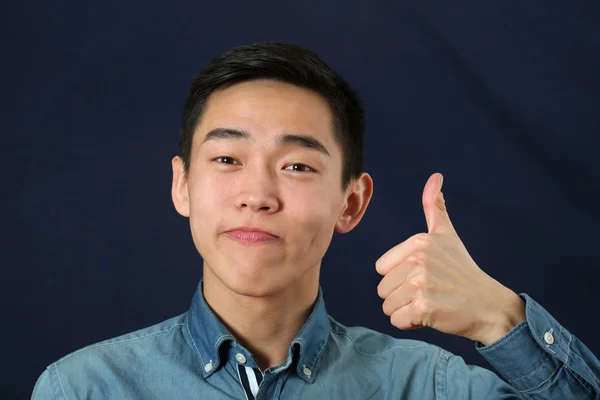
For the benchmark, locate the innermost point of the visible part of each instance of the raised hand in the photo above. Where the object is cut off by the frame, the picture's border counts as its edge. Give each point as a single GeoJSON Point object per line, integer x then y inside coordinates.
{"type": "Point", "coordinates": [431, 280]}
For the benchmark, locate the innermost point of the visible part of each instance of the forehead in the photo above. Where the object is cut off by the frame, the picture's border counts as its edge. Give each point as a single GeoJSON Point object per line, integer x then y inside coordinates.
{"type": "Point", "coordinates": [266, 108]}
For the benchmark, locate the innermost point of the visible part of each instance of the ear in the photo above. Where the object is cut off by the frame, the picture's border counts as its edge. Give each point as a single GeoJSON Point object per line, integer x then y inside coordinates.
{"type": "Point", "coordinates": [179, 188]}
{"type": "Point", "coordinates": [358, 196]}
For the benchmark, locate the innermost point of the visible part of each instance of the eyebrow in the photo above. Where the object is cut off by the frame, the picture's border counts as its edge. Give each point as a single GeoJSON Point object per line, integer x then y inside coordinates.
{"type": "Point", "coordinates": [302, 140]}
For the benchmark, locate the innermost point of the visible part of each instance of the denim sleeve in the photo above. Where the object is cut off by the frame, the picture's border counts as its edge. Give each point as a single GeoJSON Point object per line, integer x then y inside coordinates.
{"type": "Point", "coordinates": [48, 386]}
{"type": "Point", "coordinates": [457, 380]}
{"type": "Point", "coordinates": [43, 388]}
{"type": "Point", "coordinates": [542, 360]}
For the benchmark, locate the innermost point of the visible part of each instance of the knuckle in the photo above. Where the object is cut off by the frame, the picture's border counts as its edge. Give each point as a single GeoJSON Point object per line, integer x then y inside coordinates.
{"type": "Point", "coordinates": [416, 285]}
{"type": "Point", "coordinates": [419, 257]}
{"type": "Point", "coordinates": [423, 240]}
{"type": "Point", "coordinates": [421, 272]}
{"type": "Point", "coordinates": [424, 273]}
{"type": "Point", "coordinates": [424, 309]}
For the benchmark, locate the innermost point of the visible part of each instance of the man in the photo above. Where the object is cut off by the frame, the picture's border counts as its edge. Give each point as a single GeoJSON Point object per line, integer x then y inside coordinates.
{"type": "Point", "coordinates": [269, 165]}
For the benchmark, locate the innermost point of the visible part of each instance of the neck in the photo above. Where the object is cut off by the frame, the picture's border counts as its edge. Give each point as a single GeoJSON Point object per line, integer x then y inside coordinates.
{"type": "Point", "coordinates": [264, 324]}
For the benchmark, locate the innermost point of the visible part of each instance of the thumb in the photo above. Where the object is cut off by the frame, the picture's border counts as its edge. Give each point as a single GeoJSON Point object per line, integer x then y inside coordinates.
{"type": "Point", "coordinates": [438, 220]}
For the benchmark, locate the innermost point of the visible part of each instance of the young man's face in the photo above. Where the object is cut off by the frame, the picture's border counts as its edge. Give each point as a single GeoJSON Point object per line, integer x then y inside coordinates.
{"type": "Point", "coordinates": [264, 158]}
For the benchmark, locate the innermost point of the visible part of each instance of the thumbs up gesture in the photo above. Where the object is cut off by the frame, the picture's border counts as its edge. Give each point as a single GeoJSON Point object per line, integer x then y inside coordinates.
{"type": "Point", "coordinates": [431, 280]}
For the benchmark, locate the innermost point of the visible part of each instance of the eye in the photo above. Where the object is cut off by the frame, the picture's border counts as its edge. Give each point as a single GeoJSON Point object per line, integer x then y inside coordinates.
{"type": "Point", "coordinates": [299, 168]}
{"type": "Point", "coordinates": [225, 160]}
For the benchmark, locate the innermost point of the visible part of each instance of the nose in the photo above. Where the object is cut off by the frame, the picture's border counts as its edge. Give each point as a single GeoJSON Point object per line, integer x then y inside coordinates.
{"type": "Point", "coordinates": [258, 193]}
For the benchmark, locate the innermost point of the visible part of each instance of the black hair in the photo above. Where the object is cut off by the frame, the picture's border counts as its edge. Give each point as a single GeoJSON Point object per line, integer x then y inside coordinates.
{"type": "Point", "coordinates": [289, 64]}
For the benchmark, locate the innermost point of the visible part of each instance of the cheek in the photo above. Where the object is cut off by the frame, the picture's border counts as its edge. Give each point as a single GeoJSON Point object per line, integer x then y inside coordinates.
{"type": "Point", "coordinates": [315, 214]}
{"type": "Point", "coordinates": [208, 200]}
{"type": "Point", "coordinates": [208, 193]}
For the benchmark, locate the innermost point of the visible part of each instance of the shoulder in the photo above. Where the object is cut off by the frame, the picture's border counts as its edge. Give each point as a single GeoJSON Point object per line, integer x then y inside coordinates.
{"type": "Point", "coordinates": [399, 366]}
{"type": "Point", "coordinates": [145, 338]}
{"type": "Point", "coordinates": [116, 357]}
{"type": "Point", "coordinates": [369, 343]}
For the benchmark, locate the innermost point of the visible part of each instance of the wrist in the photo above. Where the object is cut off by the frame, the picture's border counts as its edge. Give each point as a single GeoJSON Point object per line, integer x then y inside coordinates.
{"type": "Point", "coordinates": [510, 313]}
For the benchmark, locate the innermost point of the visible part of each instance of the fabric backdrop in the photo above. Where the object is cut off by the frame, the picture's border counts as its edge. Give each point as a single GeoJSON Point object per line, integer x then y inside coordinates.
{"type": "Point", "coordinates": [501, 97]}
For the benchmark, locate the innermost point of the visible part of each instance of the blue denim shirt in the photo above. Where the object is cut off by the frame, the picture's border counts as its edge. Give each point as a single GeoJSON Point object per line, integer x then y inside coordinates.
{"type": "Point", "coordinates": [193, 356]}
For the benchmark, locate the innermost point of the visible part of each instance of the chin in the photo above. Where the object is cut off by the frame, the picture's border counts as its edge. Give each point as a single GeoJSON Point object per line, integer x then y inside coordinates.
{"type": "Point", "coordinates": [248, 286]}
{"type": "Point", "coordinates": [252, 278]}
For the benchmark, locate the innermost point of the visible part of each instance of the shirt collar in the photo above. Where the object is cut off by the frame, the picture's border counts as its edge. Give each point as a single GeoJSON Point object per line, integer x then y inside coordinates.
{"type": "Point", "coordinates": [208, 334]}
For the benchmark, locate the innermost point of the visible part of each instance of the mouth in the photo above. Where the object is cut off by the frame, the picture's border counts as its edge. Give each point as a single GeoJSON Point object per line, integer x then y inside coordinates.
{"type": "Point", "coordinates": [246, 235]}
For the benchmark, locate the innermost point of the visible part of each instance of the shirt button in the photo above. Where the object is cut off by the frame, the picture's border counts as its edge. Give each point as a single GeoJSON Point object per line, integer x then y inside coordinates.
{"type": "Point", "coordinates": [548, 337]}
{"type": "Point", "coordinates": [306, 371]}
{"type": "Point", "coordinates": [241, 358]}
{"type": "Point", "coordinates": [208, 367]}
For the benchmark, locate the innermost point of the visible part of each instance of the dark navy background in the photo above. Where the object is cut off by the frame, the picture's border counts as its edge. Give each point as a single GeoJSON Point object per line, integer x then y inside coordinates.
{"type": "Point", "coordinates": [502, 98]}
